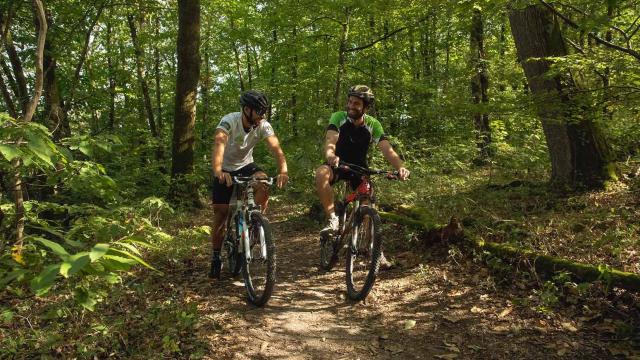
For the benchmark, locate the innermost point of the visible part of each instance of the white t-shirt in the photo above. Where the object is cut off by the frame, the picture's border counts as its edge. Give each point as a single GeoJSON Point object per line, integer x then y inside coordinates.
{"type": "Point", "coordinates": [239, 149]}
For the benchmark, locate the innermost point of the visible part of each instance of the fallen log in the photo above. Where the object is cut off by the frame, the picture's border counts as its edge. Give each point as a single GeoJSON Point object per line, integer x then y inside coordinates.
{"type": "Point", "coordinates": [544, 264]}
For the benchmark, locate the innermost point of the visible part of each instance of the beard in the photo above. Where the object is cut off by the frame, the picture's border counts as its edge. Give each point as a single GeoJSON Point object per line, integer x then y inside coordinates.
{"type": "Point", "coordinates": [355, 114]}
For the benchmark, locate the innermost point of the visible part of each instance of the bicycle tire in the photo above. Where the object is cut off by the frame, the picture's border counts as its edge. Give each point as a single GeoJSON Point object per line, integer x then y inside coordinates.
{"type": "Point", "coordinates": [363, 262]}
{"type": "Point", "coordinates": [230, 254]}
{"type": "Point", "coordinates": [330, 244]}
{"type": "Point", "coordinates": [328, 252]}
{"type": "Point", "coordinates": [260, 273]}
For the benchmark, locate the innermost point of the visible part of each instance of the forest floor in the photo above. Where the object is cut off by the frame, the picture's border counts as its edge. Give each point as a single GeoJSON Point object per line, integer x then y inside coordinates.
{"type": "Point", "coordinates": [435, 303]}
{"type": "Point", "coordinates": [439, 301]}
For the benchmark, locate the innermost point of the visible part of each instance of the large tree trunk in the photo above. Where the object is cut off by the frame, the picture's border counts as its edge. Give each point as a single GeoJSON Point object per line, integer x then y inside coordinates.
{"type": "Point", "coordinates": [54, 112]}
{"type": "Point", "coordinates": [579, 154]}
{"type": "Point", "coordinates": [479, 87]}
{"type": "Point", "coordinates": [186, 96]}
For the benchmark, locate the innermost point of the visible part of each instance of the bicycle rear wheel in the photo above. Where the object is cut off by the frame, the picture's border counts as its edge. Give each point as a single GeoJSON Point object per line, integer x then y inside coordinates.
{"type": "Point", "coordinates": [330, 243]}
{"type": "Point", "coordinates": [259, 272]}
{"type": "Point", "coordinates": [230, 255]}
{"type": "Point", "coordinates": [328, 251]}
{"type": "Point", "coordinates": [363, 259]}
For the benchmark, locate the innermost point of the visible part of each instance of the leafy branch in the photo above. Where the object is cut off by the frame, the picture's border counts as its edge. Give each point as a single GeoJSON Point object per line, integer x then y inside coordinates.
{"type": "Point", "coordinates": [591, 34]}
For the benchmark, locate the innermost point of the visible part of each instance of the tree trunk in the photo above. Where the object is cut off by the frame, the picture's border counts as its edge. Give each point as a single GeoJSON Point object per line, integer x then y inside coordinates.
{"type": "Point", "coordinates": [606, 76]}
{"type": "Point", "coordinates": [29, 110]}
{"type": "Point", "coordinates": [425, 53]}
{"type": "Point", "coordinates": [479, 86]}
{"type": "Point", "coordinates": [577, 148]}
{"type": "Point", "coordinates": [9, 74]}
{"type": "Point", "coordinates": [342, 52]}
{"type": "Point", "coordinates": [54, 112]}
{"type": "Point", "coordinates": [502, 45]}
{"type": "Point", "coordinates": [272, 79]}
{"type": "Point", "coordinates": [156, 66]}
{"type": "Point", "coordinates": [186, 97]}
{"type": "Point", "coordinates": [11, 109]}
{"type": "Point", "coordinates": [237, 57]}
{"type": "Point", "coordinates": [205, 88]}
{"type": "Point", "coordinates": [112, 79]}
{"type": "Point", "coordinates": [16, 65]}
{"type": "Point", "coordinates": [294, 81]}
{"type": "Point", "coordinates": [141, 77]}
{"type": "Point", "coordinates": [373, 63]}
{"type": "Point", "coordinates": [247, 54]}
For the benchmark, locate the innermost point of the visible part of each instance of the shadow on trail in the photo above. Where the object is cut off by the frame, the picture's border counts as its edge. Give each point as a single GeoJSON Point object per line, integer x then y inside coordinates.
{"type": "Point", "coordinates": [430, 306]}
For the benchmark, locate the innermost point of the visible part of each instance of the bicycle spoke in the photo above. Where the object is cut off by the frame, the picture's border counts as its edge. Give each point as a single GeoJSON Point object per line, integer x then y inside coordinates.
{"type": "Point", "coordinates": [259, 270]}
{"type": "Point", "coordinates": [363, 259]}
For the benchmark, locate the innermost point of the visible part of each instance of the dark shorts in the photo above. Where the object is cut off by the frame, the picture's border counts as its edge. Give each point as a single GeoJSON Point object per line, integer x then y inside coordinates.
{"type": "Point", "coordinates": [340, 175]}
{"type": "Point", "coordinates": [222, 193]}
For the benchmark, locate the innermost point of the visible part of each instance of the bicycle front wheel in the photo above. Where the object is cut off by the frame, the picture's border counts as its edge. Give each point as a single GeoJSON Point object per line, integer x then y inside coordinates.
{"type": "Point", "coordinates": [259, 271]}
{"type": "Point", "coordinates": [363, 256]}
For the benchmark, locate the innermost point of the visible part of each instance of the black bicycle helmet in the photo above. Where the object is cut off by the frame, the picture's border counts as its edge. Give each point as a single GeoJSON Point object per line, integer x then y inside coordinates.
{"type": "Point", "coordinates": [256, 100]}
{"type": "Point", "coordinates": [363, 92]}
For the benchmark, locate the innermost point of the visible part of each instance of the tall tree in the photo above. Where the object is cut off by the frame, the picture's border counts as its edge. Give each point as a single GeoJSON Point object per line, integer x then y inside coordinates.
{"type": "Point", "coordinates": [111, 75]}
{"type": "Point", "coordinates": [577, 148]}
{"type": "Point", "coordinates": [236, 53]}
{"type": "Point", "coordinates": [27, 115]}
{"type": "Point", "coordinates": [480, 86]}
{"type": "Point", "coordinates": [186, 95]}
{"type": "Point", "coordinates": [21, 91]}
{"type": "Point", "coordinates": [342, 54]}
{"type": "Point", "coordinates": [146, 97]}
{"type": "Point", "coordinates": [54, 112]}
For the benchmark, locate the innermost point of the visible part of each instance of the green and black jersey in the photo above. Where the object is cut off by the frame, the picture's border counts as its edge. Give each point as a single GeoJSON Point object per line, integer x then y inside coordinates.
{"type": "Point", "coordinates": [353, 141]}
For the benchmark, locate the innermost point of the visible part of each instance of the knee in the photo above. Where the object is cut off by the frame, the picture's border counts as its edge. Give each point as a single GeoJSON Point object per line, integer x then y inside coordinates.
{"type": "Point", "coordinates": [323, 175]}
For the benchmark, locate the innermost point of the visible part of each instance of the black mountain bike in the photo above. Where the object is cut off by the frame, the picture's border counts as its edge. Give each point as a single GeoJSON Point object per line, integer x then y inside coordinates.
{"type": "Point", "coordinates": [248, 244]}
{"type": "Point", "coordinates": [359, 229]}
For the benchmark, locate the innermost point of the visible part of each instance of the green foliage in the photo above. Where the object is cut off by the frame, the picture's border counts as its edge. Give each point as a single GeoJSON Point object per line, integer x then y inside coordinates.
{"type": "Point", "coordinates": [30, 143]}
{"type": "Point", "coordinates": [96, 200]}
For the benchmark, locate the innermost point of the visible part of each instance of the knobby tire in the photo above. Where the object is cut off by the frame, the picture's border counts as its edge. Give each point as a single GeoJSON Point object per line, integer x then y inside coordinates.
{"type": "Point", "coordinates": [260, 274]}
{"type": "Point", "coordinates": [363, 262]}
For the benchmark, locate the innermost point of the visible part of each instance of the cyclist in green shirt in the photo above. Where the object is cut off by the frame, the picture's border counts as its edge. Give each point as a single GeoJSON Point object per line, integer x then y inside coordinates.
{"type": "Point", "coordinates": [348, 137]}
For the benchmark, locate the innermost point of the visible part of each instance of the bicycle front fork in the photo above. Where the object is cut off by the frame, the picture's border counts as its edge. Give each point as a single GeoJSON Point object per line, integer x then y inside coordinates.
{"type": "Point", "coordinates": [245, 247]}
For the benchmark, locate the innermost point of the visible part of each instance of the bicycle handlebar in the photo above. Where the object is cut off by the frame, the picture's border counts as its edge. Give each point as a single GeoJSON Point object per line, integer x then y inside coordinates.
{"type": "Point", "coordinates": [391, 175]}
{"type": "Point", "coordinates": [250, 179]}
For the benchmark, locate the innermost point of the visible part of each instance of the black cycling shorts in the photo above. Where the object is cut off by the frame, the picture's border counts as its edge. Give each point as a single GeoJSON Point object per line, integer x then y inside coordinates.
{"type": "Point", "coordinates": [341, 174]}
{"type": "Point", "coordinates": [222, 192]}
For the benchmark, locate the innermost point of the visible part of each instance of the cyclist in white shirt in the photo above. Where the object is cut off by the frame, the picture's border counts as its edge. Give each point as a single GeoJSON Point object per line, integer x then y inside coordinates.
{"type": "Point", "coordinates": [232, 155]}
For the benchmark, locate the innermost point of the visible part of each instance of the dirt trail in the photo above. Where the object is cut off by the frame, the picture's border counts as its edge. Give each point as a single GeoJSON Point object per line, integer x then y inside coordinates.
{"type": "Point", "coordinates": [425, 308]}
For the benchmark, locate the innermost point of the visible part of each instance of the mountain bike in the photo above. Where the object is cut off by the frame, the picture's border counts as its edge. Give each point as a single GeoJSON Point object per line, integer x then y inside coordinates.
{"type": "Point", "coordinates": [248, 243]}
{"type": "Point", "coordinates": [359, 229]}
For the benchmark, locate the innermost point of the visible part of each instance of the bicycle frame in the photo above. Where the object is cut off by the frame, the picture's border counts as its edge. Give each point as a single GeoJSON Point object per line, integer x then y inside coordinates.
{"type": "Point", "coordinates": [243, 188]}
{"type": "Point", "coordinates": [363, 192]}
